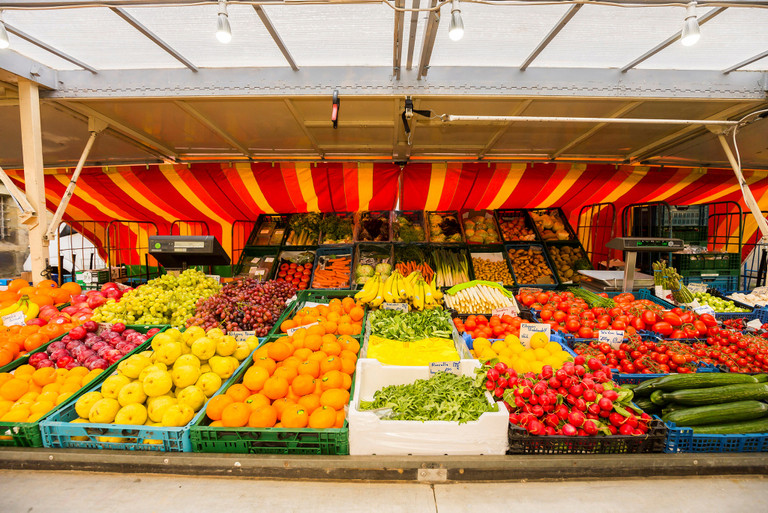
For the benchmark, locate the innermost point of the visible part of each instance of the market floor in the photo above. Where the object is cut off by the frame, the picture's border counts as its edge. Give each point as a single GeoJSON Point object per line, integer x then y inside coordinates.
{"type": "Point", "coordinates": [41, 491]}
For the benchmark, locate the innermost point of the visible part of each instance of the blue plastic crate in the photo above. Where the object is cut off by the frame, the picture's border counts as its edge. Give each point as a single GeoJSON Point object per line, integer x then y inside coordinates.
{"type": "Point", "coordinates": [681, 439]}
{"type": "Point", "coordinates": [59, 432]}
{"type": "Point", "coordinates": [720, 282]}
{"type": "Point", "coordinates": [736, 315]}
{"type": "Point", "coordinates": [762, 314]}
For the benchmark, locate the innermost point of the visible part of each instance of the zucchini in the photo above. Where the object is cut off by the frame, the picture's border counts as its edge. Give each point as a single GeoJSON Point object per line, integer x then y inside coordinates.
{"type": "Point", "coordinates": [657, 398]}
{"type": "Point", "coordinates": [716, 395]}
{"type": "Point", "coordinates": [688, 381]}
{"type": "Point", "coordinates": [733, 428]}
{"type": "Point", "coordinates": [761, 378]}
{"type": "Point", "coordinates": [727, 412]}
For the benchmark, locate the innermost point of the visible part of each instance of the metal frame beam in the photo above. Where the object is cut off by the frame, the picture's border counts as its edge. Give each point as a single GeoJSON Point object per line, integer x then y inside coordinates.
{"type": "Point", "coordinates": [746, 62]}
{"type": "Point", "coordinates": [430, 34]}
{"type": "Point", "coordinates": [672, 39]}
{"type": "Point", "coordinates": [213, 127]}
{"type": "Point", "coordinates": [560, 25]}
{"type": "Point", "coordinates": [153, 37]}
{"type": "Point", "coordinates": [501, 131]}
{"type": "Point", "coordinates": [24, 67]}
{"type": "Point", "coordinates": [412, 34]}
{"type": "Point", "coordinates": [397, 49]}
{"type": "Point", "coordinates": [275, 36]}
{"type": "Point", "coordinates": [48, 48]}
{"type": "Point", "coordinates": [446, 81]}
{"type": "Point", "coordinates": [301, 122]}
{"type": "Point", "coordinates": [592, 131]}
{"type": "Point", "coordinates": [40, 4]}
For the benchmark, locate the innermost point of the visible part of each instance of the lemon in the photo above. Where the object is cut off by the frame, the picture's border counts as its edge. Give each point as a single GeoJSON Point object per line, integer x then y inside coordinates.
{"type": "Point", "coordinates": [538, 340]}
{"type": "Point", "coordinates": [517, 348]}
{"type": "Point", "coordinates": [481, 343]}
{"type": "Point", "coordinates": [536, 367]}
{"type": "Point", "coordinates": [498, 346]}
{"type": "Point", "coordinates": [565, 357]}
{"type": "Point", "coordinates": [540, 353]}
{"type": "Point", "coordinates": [522, 366]}
{"type": "Point", "coordinates": [553, 347]}
{"type": "Point", "coordinates": [528, 355]}
{"type": "Point", "coordinates": [511, 339]}
{"type": "Point", "coordinates": [553, 361]}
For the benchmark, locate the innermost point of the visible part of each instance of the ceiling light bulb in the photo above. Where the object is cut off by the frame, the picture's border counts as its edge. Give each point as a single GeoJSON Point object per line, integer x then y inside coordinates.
{"type": "Point", "coordinates": [456, 28]}
{"type": "Point", "coordinates": [691, 32]}
{"type": "Point", "coordinates": [4, 41]}
{"type": "Point", "coordinates": [223, 30]}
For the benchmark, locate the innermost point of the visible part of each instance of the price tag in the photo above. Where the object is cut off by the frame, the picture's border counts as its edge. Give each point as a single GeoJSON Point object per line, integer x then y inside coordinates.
{"type": "Point", "coordinates": [215, 277]}
{"type": "Point", "coordinates": [704, 309]}
{"type": "Point", "coordinates": [269, 260]}
{"type": "Point", "coordinates": [452, 367]}
{"type": "Point", "coordinates": [242, 336]}
{"type": "Point", "coordinates": [755, 324]}
{"type": "Point", "coordinates": [695, 304]}
{"type": "Point", "coordinates": [400, 307]}
{"type": "Point", "coordinates": [264, 230]}
{"type": "Point", "coordinates": [612, 337]}
{"type": "Point", "coordinates": [291, 299]}
{"type": "Point", "coordinates": [697, 287]}
{"type": "Point", "coordinates": [103, 327]}
{"type": "Point", "coordinates": [14, 319]}
{"type": "Point", "coordinates": [312, 304]}
{"type": "Point", "coordinates": [294, 330]}
{"type": "Point", "coordinates": [528, 329]}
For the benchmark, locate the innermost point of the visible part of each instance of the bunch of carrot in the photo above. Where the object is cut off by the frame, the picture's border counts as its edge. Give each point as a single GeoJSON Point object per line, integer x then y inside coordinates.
{"type": "Point", "coordinates": [333, 273]}
{"type": "Point", "coordinates": [407, 268]}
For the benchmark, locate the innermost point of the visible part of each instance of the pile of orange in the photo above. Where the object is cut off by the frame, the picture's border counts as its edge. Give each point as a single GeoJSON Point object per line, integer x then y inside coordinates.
{"type": "Point", "coordinates": [16, 341]}
{"type": "Point", "coordinates": [295, 382]}
{"type": "Point", "coordinates": [28, 394]}
{"type": "Point", "coordinates": [339, 317]}
{"type": "Point", "coordinates": [47, 292]}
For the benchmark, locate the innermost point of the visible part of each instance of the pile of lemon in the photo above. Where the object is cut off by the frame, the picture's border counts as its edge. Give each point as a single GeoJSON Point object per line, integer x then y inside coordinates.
{"type": "Point", "coordinates": [415, 353]}
{"type": "Point", "coordinates": [514, 354]}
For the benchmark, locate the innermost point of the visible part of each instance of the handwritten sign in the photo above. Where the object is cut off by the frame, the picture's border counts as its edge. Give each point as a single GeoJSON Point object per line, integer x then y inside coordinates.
{"type": "Point", "coordinates": [451, 367]}
{"type": "Point", "coordinates": [697, 287]}
{"type": "Point", "coordinates": [291, 299]}
{"type": "Point", "coordinates": [14, 319]}
{"type": "Point", "coordinates": [294, 330]}
{"type": "Point", "coordinates": [612, 337]}
{"type": "Point", "coordinates": [528, 329]}
{"type": "Point", "coordinates": [242, 336]}
{"type": "Point", "coordinates": [704, 309]}
{"type": "Point", "coordinates": [400, 307]}
{"type": "Point", "coordinates": [507, 310]}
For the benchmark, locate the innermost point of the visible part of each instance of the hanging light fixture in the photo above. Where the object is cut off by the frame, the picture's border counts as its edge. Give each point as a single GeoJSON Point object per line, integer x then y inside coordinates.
{"type": "Point", "coordinates": [456, 28]}
{"type": "Point", "coordinates": [4, 41]}
{"type": "Point", "coordinates": [691, 32]}
{"type": "Point", "coordinates": [223, 30]}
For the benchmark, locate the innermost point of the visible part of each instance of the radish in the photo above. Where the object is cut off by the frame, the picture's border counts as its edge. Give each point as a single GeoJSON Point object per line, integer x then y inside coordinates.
{"type": "Point", "coordinates": [569, 430]}
{"type": "Point", "coordinates": [605, 404]}
{"type": "Point", "coordinates": [576, 418]}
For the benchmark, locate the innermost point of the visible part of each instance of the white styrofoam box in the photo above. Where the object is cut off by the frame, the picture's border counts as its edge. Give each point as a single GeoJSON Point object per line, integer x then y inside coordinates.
{"type": "Point", "coordinates": [458, 341]}
{"type": "Point", "coordinates": [368, 434]}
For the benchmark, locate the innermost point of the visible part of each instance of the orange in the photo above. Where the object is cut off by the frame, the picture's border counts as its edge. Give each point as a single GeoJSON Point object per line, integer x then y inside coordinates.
{"type": "Point", "coordinates": [357, 329]}
{"type": "Point", "coordinates": [34, 387]}
{"type": "Point", "coordinates": [47, 284]}
{"type": "Point", "coordinates": [346, 354]}
{"type": "Point", "coordinates": [302, 354]}
{"type": "Point", "coordinates": [61, 296]}
{"type": "Point", "coordinates": [313, 342]}
{"type": "Point", "coordinates": [255, 377]}
{"type": "Point", "coordinates": [316, 330]}
{"type": "Point", "coordinates": [13, 389]}
{"type": "Point", "coordinates": [17, 284]}
{"type": "Point", "coordinates": [48, 396]}
{"type": "Point", "coordinates": [287, 373]}
{"type": "Point", "coordinates": [303, 385]}
{"type": "Point", "coordinates": [347, 366]}
{"type": "Point", "coordinates": [5, 407]}
{"type": "Point", "coordinates": [16, 415]}
{"type": "Point", "coordinates": [235, 415]}
{"type": "Point", "coordinates": [6, 357]}
{"type": "Point", "coordinates": [335, 398]}
{"type": "Point", "coordinates": [256, 400]}
{"type": "Point", "coordinates": [44, 376]}
{"type": "Point", "coordinates": [322, 418]}
{"type": "Point", "coordinates": [292, 396]}
{"type": "Point", "coordinates": [310, 368]}
{"type": "Point", "coordinates": [265, 362]}
{"type": "Point", "coordinates": [322, 310]}
{"type": "Point", "coordinates": [349, 344]}
{"type": "Point", "coordinates": [279, 351]}
{"type": "Point", "coordinates": [286, 325]}
{"type": "Point", "coordinates": [330, 363]}
{"type": "Point", "coordinates": [331, 379]}
{"type": "Point", "coordinates": [72, 288]}
{"type": "Point", "coordinates": [42, 299]}
{"type": "Point", "coordinates": [346, 381]}
{"type": "Point", "coordinates": [309, 319]}
{"type": "Point", "coordinates": [7, 376]}
{"type": "Point", "coordinates": [330, 327]}
{"type": "Point", "coordinates": [216, 406]}
{"type": "Point", "coordinates": [346, 329]}
{"type": "Point", "coordinates": [53, 387]}
{"type": "Point", "coordinates": [333, 317]}
{"type": "Point", "coordinates": [294, 416]}
{"type": "Point", "coordinates": [340, 416]}
{"type": "Point", "coordinates": [298, 337]}
{"type": "Point", "coordinates": [317, 356]}
{"type": "Point", "coordinates": [263, 417]}
{"type": "Point", "coordinates": [70, 387]}
{"type": "Point", "coordinates": [261, 352]}
{"type": "Point", "coordinates": [24, 372]}
{"type": "Point", "coordinates": [275, 387]}
{"type": "Point", "coordinates": [311, 402]}
{"type": "Point", "coordinates": [331, 348]}
{"type": "Point", "coordinates": [356, 313]}
{"type": "Point", "coordinates": [280, 405]}
{"type": "Point", "coordinates": [238, 393]}
{"type": "Point", "coordinates": [329, 337]}
{"type": "Point", "coordinates": [334, 302]}
{"type": "Point", "coordinates": [292, 361]}
{"type": "Point", "coordinates": [28, 290]}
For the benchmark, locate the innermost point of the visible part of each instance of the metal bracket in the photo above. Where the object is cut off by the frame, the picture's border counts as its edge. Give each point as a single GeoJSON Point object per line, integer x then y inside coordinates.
{"type": "Point", "coordinates": [432, 475]}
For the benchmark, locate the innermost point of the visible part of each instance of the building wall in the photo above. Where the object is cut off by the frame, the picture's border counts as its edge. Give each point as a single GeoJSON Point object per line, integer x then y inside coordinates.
{"type": "Point", "coordinates": [14, 238]}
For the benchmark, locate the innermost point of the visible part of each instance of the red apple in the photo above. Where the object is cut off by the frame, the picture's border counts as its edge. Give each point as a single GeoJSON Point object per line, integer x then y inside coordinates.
{"type": "Point", "coordinates": [36, 358]}
{"type": "Point", "coordinates": [109, 285]}
{"type": "Point", "coordinates": [113, 294]}
{"type": "Point", "coordinates": [96, 301]}
{"type": "Point", "coordinates": [84, 309]}
{"type": "Point", "coordinates": [70, 310]}
{"type": "Point", "coordinates": [82, 317]}
{"type": "Point", "coordinates": [46, 312]}
{"type": "Point", "coordinates": [90, 326]}
{"type": "Point", "coordinates": [119, 327]}
{"type": "Point", "coordinates": [80, 298]}
{"type": "Point", "coordinates": [152, 332]}
{"type": "Point", "coordinates": [93, 293]}
{"type": "Point", "coordinates": [77, 333]}
{"type": "Point", "coordinates": [36, 322]}
{"type": "Point", "coordinates": [64, 361]}
{"type": "Point", "coordinates": [60, 318]}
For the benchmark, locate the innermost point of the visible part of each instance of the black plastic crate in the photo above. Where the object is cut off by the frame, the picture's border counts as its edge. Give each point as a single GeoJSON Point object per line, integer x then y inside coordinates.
{"type": "Point", "coordinates": [516, 217]}
{"type": "Point", "coordinates": [347, 217]}
{"type": "Point", "coordinates": [436, 236]}
{"type": "Point", "coordinates": [484, 252]}
{"type": "Point", "coordinates": [468, 220]}
{"type": "Point", "coordinates": [269, 230]}
{"type": "Point", "coordinates": [558, 249]}
{"type": "Point", "coordinates": [415, 218]}
{"type": "Point", "coordinates": [386, 228]}
{"type": "Point", "coordinates": [366, 254]}
{"type": "Point", "coordinates": [706, 261]}
{"type": "Point", "coordinates": [309, 240]}
{"type": "Point", "coordinates": [558, 216]}
{"type": "Point", "coordinates": [509, 248]}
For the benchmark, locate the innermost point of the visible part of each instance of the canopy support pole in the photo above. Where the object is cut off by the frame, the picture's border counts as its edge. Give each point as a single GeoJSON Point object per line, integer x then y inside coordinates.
{"type": "Point", "coordinates": [32, 149]}
{"type": "Point", "coordinates": [95, 126]}
{"type": "Point", "coordinates": [749, 199]}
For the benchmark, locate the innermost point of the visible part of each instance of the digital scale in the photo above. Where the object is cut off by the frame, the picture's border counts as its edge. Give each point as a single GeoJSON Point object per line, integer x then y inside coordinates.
{"type": "Point", "coordinates": [628, 280]}
{"type": "Point", "coordinates": [181, 251]}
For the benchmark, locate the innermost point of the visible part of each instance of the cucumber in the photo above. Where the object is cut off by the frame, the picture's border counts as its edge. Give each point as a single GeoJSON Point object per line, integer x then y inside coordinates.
{"type": "Point", "coordinates": [733, 428]}
{"type": "Point", "coordinates": [669, 408]}
{"type": "Point", "coordinates": [657, 398]}
{"type": "Point", "coordinates": [716, 395]}
{"type": "Point", "coordinates": [646, 405]}
{"type": "Point", "coordinates": [761, 378]}
{"type": "Point", "coordinates": [727, 412]}
{"type": "Point", "coordinates": [687, 381]}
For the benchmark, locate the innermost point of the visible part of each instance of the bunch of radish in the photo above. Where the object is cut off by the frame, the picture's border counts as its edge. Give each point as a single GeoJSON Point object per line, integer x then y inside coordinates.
{"type": "Point", "coordinates": [578, 400]}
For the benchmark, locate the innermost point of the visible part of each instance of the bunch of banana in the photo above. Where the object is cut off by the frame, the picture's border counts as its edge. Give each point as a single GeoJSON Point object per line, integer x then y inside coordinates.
{"type": "Point", "coordinates": [426, 294]}
{"type": "Point", "coordinates": [23, 305]}
{"type": "Point", "coordinates": [400, 289]}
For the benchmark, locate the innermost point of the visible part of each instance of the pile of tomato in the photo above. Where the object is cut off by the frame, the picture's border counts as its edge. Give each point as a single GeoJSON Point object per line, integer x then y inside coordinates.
{"type": "Point", "coordinates": [495, 327]}
{"type": "Point", "coordinates": [648, 356]}
{"type": "Point", "coordinates": [738, 351]}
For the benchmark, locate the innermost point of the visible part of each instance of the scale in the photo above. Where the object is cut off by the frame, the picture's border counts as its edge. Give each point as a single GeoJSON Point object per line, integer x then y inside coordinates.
{"type": "Point", "coordinates": [628, 280]}
{"type": "Point", "coordinates": [182, 251]}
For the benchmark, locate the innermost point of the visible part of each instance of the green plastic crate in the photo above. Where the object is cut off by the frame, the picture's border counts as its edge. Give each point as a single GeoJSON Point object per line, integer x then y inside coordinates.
{"type": "Point", "coordinates": [311, 295]}
{"type": "Point", "coordinates": [706, 261]}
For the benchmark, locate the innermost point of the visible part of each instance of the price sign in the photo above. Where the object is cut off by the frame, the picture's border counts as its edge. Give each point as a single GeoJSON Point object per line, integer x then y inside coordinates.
{"type": "Point", "coordinates": [697, 287]}
{"type": "Point", "coordinates": [528, 329]}
{"type": "Point", "coordinates": [612, 337]}
{"type": "Point", "coordinates": [294, 330]}
{"type": "Point", "coordinates": [242, 336]}
{"type": "Point", "coordinates": [755, 324]}
{"type": "Point", "coordinates": [312, 304]}
{"type": "Point", "coordinates": [507, 310]}
{"type": "Point", "coordinates": [400, 307]}
{"type": "Point", "coordinates": [704, 309]}
{"type": "Point", "coordinates": [452, 367]}
{"type": "Point", "coordinates": [269, 260]}
{"type": "Point", "coordinates": [215, 277]}
{"type": "Point", "coordinates": [14, 319]}
{"type": "Point", "coordinates": [103, 327]}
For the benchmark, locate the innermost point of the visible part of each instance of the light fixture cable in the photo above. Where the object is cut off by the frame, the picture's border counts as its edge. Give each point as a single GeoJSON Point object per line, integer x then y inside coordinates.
{"type": "Point", "coordinates": [223, 30]}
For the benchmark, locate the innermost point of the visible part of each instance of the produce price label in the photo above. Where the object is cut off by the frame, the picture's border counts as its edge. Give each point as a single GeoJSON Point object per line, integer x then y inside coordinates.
{"type": "Point", "coordinates": [242, 336]}
{"type": "Point", "coordinates": [528, 329]}
{"type": "Point", "coordinates": [400, 307]}
{"type": "Point", "coordinates": [312, 304]}
{"type": "Point", "coordinates": [704, 309]}
{"type": "Point", "coordinates": [612, 337]}
{"type": "Point", "coordinates": [697, 287]}
{"type": "Point", "coordinates": [215, 277]}
{"type": "Point", "coordinates": [14, 319]}
{"type": "Point", "coordinates": [291, 299]}
{"type": "Point", "coordinates": [294, 330]}
{"type": "Point", "coordinates": [102, 327]}
{"type": "Point", "coordinates": [507, 310]}
{"type": "Point", "coordinates": [755, 324]}
{"type": "Point", "coordinates": [452, 367]}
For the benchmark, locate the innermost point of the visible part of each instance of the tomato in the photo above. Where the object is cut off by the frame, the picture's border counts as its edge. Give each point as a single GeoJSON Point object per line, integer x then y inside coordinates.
{"type": "Point", "coordinates": [619, 325]}
{"type": "Point", "coordinates": [559, 316]}
{"type": "Point", "coordinates": [678, 359]}
{"type": "Point", "coordinates": [542, 297]}
{"type": "Point", "coordinates": [662, 327]}
{"type": "Point", "coordinates": [638, 324]}
{"type": "Point", "coordinates": [481, 320]}
{"type": "Point", "coordinates": [546, 314]}
{"type": "Point", "coordinates": [470, 325]}
{"type": "Point", "coordinates": [701, 328]}
{"type": "Point", "coordinates": [527, 299]}
{"type": "Point", "coordinates": [690, 332]}
{"type": "Point", "coordinates": [649, 317]}
{"type": "Point", "coordinates": [625, 297]}
{"type": "Point", "coordinates": [672, 319]}
{"type": "Point", "coordinates": [585, 332]}
{"type": "Point", "coordinates": [603, 325]}
{"type": "Point", "coordinates": [588, 315]}
{"type": "Point", "coordinates": [498, 330]}
{"type": "Point", "coordinates": [614, 312]}
{"type": "Point", "coordinates": [573, 325]}
{"type": "Point", "coordinates": [677, 334]}
{"type": "Point", "coordinates": [708, 320]}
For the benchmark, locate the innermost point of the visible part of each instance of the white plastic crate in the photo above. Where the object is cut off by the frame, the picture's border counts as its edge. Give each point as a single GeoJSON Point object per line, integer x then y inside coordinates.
{"type": "Point", "coordinates": [369, 435]}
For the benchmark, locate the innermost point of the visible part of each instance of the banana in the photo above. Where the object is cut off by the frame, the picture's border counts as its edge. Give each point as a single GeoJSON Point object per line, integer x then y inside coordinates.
{"type": "Point", "coordinates": [368, 292]}
{"type": "Point", "coordinates": [10, 308]}
{"type": "Point", "coordinates": [388, 295]}
{"type": "Point", "coordinates": [32, 311]}
{"type": "Point", "coordinates": [409, 289]}
{"type": "Point", "coordinates": [402, 291]}
{"type": "Point", "coordinates": [379, 299]}
{"type": "Point", "coordinates": [418, 297]}
{"type": "Point", "coordinates": [438, 295]}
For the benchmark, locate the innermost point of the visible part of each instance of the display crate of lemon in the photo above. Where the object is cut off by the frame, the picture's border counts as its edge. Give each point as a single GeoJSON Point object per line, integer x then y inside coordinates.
{"type": "Point", "coordinates": [22, 413]}
{"type": "Point", "coordinates": [152, 399]}
{"type": "Point", "coordinates": [511, 351]}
